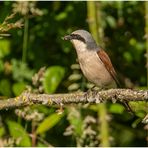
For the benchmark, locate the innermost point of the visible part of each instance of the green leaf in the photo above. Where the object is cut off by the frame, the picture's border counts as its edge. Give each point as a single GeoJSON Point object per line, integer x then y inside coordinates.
{"type": "Point", "coordinates": [116, 108]}
{"type": "Point", "coordinates": [53, 77]}
{"type": "Point", "coordinates": [40, 144]}
{"type": "Point", "coordinates": [2, 131]}
{"type": "Point", "coordinates": [4, 48]}
{"type": "Point", "coordinates": [140, 114]}
{"type": "Point", "coordinates": [1, 65]}
{"type": "Point", "coordinates": [139, 106]}
{"type": "Point", "coordinates": [128, 57]}
{"type": "Point", "coordinates": [5, 87]}
{"type": "Point", "coordinates": [18, 88]}
{"type": "Point", "coordinates": [132, 41]}
{"type": "Point", "coordinates": [111, 21]}
{"type": "Point", "coordinates": [61, 16]}
{"type": "Point", "coordinates": [44, 109]}
{"type": "Point", "coordinates": [136, 122]}
{"type": "Point", "coordinates": [17, 131]}
{"type": "Point", "coordinates": [49, 122]}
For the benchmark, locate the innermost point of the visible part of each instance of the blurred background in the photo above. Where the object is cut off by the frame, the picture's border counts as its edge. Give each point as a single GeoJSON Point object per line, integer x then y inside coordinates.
{"type": "Point", "coordinates": [34, 57]}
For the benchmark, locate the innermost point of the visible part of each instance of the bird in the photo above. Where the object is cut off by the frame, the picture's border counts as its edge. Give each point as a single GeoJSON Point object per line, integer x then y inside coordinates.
{"type": "Point", "coordinates": [94, 61]}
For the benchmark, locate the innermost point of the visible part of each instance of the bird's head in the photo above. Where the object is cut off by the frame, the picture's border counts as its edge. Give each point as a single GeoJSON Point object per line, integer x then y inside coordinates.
{"type": "Point", "coordinates": [82, 40]}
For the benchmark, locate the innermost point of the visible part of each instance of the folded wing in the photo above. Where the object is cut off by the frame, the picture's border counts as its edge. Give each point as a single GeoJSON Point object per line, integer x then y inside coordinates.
{"type": "Point", "coordinates": [107, 62]}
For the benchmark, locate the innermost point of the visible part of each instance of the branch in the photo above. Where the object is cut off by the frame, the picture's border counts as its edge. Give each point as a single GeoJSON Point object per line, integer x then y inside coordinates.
{"type": "Point", "coordinates": [113, 95]}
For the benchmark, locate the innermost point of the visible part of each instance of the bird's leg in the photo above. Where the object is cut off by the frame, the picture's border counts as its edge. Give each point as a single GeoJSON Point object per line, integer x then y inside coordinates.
{"type": "Point", "coordinates": [91, 93]}
{"type": "Point", "coordinates": [125, 103]}
{"type": "Point", "coordinates": [94, 88]}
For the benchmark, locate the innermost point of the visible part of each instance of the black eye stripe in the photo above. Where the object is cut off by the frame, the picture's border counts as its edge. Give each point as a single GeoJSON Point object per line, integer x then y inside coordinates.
{"type": "Point", "coordinates": [77, 37]}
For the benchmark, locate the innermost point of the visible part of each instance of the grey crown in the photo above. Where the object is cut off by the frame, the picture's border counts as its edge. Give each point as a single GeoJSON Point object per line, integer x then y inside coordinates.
{"type": "Point", "coordinates": [90, 42]}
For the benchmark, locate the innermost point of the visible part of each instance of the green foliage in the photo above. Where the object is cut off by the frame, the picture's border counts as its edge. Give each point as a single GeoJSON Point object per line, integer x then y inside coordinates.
{"type": "Point", "coordinates": [2, 131]}
{"type": "Point", "coordinates": [49, 122]}
{"type": "Point", "coordinates": [41, 44]}
{"type": "Point", "coordinates": [1, 66]}
{"type": "Point", "coordinates": [76, 121]}
{"type": "Point", "coordinates": [21, 71]}
{"type": "Point", "coordinates": [53, 77]}
{"type": "Point", "coordinates": [4, 48]}
{"type": "Point", "coordinates": [139, 106]}
{"type": "Point", "coordinates": [116, 108]}
{"type": "Point", "coordinates": [18, 132]}
{"type": "Point", "coordinates": [5, 87]}
{"type": "Point", "coordinates": [18, 88]}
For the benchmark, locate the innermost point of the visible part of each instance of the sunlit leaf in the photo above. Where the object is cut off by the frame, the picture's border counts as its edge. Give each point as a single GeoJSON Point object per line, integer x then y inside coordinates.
{"type": "Point", "coordinates": [61, 16]}
{"type": "Point", "coordinates": [116, 108]}
{"type": "Point", "coordinates": [4, 48]}
{"type": "Point", "coordinates": [111, 21]}
{"type": "Point", "coordinates": [53, 77]}
{"type": "Point", "coordinates": [18, 88]}
{"type": "Point", "coordinates": [140, 114]}
{"type": "Point", "coordinates": [139, 106]}
{"type": "Point", "coordinates": [49, 122]}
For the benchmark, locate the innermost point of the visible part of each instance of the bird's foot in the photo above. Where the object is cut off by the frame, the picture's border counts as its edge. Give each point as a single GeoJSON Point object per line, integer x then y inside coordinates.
{"type": "Point", "coordinates": [91, 93]}
{"type": "Point", "coordinates": [94, 88]}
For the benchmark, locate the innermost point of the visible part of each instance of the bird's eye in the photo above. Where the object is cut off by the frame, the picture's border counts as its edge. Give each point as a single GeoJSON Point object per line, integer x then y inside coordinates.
{"type": "Point", "coordinates": [77, 37]}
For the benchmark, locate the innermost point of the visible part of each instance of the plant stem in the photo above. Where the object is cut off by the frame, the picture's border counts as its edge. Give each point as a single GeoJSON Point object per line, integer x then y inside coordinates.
{"type": "Point", "coordinates": [91, 14]}
{"type": "Point", "coordinates": [25, 38]}
{"type": "Point", "coordinates": [104, 131]}
{"type": "Point", "coordinates": [95, 25]}
{"type": "Point", "coordinates": [100, 28]}
{"type": "Point", "coordinates": [34, 135]}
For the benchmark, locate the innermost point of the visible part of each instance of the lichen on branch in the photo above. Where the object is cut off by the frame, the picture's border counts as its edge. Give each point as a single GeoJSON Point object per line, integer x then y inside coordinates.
{"type": "Point", "coordinates": [114, 95]}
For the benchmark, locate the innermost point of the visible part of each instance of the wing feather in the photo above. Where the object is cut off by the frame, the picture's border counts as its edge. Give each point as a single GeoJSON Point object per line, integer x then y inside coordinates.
{"type": "Point", "coordinates": [107, 62]}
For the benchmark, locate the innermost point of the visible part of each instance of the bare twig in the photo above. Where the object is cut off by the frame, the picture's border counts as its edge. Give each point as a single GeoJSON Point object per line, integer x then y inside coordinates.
{"type": "Point", "coordinates": [114, 95]}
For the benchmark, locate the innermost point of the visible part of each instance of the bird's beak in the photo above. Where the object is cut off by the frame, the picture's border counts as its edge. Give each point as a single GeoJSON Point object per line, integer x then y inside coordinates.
{"type": "Point", "coordinates": [67, 37]}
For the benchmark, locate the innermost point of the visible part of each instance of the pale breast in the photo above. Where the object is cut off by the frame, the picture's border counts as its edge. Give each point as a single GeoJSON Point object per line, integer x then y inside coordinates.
{"type": "Point", "coordinates": [94, 70]}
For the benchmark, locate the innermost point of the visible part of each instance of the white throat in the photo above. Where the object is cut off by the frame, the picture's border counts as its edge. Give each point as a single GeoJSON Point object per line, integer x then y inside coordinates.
{"type": "Point", "coordinates": [79, 46]}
